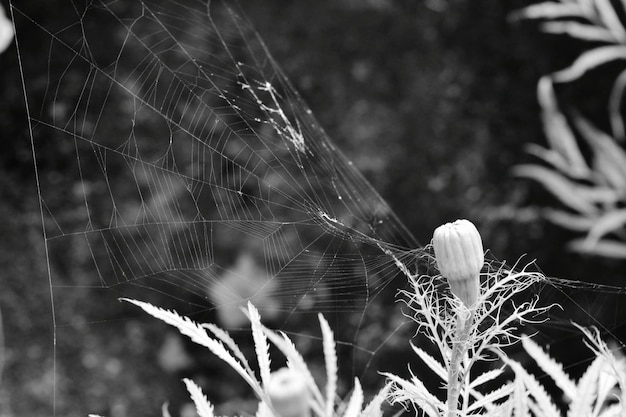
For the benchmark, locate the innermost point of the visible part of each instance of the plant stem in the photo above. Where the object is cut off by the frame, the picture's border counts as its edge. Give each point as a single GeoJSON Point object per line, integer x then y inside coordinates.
{"type": "Point", "coordinates": [456, 373]}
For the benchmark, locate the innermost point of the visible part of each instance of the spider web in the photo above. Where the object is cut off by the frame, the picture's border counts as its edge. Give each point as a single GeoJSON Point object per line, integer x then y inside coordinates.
{"type": "Point", "coordinates": [182, 168]}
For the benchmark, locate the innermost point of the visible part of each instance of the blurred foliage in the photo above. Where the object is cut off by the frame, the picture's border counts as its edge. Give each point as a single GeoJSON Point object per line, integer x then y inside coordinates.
{"type": "Point", "coordinates": [432, 100]}
{"type": "Point", "coordinates": [587, 167]}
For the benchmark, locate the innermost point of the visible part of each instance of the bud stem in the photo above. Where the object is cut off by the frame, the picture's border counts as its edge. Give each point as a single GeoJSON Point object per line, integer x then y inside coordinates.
{"type": "Point", "coordinates": [456, 373]}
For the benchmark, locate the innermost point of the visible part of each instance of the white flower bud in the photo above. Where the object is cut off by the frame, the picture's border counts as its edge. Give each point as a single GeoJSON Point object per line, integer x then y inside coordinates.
{"type": "Point", "coordinates": [289, 393]}
{"type": "Point", "coordinates": [459, 254]}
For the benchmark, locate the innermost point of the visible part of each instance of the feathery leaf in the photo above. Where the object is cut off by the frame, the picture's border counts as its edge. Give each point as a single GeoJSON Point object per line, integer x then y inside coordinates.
{"type": "Point", "coordinates": [225, 337]}
{"type": "Point", "coordinates": [203, 407]}
{"type": "Point", "coordinates": [589, 60]}
{"type": "Point", "coordinates": [579, 30]}
{"type": "Point", "coordinates": [330, 357]}
{"type": "Point", "coordinates": [567, 220]}
{"type": "Point", "coordinates": [431, 362]}
{"type": "Point", "coordinates": [295, 361]}
{"type": "Point", "coordinates": [198, 335]}
{"type": "Point", "coordinates": [486, 377]}
{"type": "Point", "coordinates": [558, 131]}
{"type": "Point", "coordinates": [550, 10]}
{"type": "Point", "coordinates": [542, 400]}
{"type": "Point", "coordinates": [492, 397]}
{"type": "Point", "coordinates": [356, 401]}
{"type": "Point", "coordinates": [615, 105]}
{"type": "Point", "coordinates": [586, 390]}
{"type": "Point", "coordinates": [550, 367]}
{"type": "Point", "coordinates": [607, 248]}
{"type": "Point", "coordinates": [610, 222]}
{"type": "Point", "coordinates": [609, 17]}
{"type": "Point", "coordinates": [568, 192]}
{"type": "Point", "coordinates": [520, 401]}
{"type": "Point", "coordinates": [610, 157]}
{"type": "Point", "coordinates": [373, 409]}
{"type": "Point", "coordinates": [260, 345]}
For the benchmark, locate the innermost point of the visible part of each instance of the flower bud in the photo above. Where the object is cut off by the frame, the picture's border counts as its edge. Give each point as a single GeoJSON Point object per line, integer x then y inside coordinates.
{"type": "Point", "coordinates": [459, 254]}
{"type": "Point", "coordinates": [289, 393]}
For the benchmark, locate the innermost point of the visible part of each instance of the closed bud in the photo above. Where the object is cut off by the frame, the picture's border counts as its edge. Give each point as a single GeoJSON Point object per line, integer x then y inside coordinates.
{"type": "Point", "coordinates": [459, 254]}
{"type": "Point", "coordinates": [289, 393]}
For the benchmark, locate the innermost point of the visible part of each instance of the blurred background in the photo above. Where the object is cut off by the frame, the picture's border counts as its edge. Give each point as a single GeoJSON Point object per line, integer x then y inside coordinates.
{"type": "Point", "coordinates": [435, 103]}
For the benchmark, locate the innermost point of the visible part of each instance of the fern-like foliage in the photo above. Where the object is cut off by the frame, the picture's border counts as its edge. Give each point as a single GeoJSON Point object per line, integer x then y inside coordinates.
{"type": "Point", "coordinates": [600, 392]}
{"type": "Point", "coordinates": [593, 194]}
{"type": "Point", "coordinates": [223, 346]}
{"type": "Point", "coordinates": [598, 23]}
{"type": "Point", "coordinates": [203, 407]}
{"type": "Point", "coordinates": [590, 184]}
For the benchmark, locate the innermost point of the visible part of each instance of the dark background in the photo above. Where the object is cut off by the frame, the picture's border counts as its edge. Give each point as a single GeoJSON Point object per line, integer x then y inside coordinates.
{"type": "Point", "coordinates": [433, 101]}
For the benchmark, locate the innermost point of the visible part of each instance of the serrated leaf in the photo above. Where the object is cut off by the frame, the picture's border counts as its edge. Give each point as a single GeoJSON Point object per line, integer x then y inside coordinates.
{"type": "Point", "coordinates": [431, 362]}
{"type": "Point", "coordinates": [542, 400]}
{"type": "Point", "coordinates": [607, 248]}
{"type": "Point", "coordinates": [260, 345]}
{"type": "Point", "coordinates": [491, 397]}
{"type": "Point", "coordinates": [565, 190]}
{"type": "Point", "coordinates": [504, 409]}
{"type": "Point", "coordinates": [589, 60]}
{"type": "Point", "coordinates": [203, 407]}
{"type": "Point", "coordinates": [520, 401]}
{"type": "Point", "coordinates": [374, 408]}
{"type": "Point", "coordinates": [296, 361]}
{"type": "Point", "coordinates": [550, 367]}
{"type": "Point", "coordinates": [197, 334]}
{"type": "Point", "coordinates": [330, 358]}
{"type": "Point", "coordinates": [225, 338]}
{"type": "Point", "coordinates": [586, 391]}
{"type": "Point", "coordinates": [486, 377]}
{"type": "Point", "coordinates": [579, 30]}
{"type": "Point", "coordinates": [356, 401]}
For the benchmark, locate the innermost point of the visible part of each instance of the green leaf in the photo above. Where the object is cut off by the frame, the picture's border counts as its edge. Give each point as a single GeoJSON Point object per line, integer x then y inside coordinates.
{"type": "Point", "coordinates": [203, 407]}
{"type": "Point", "coordinates": [610, 157]}
{"type": "Point", "coordinates": [550, 10]}
{"type": "Point", "coordinates": [330, 358]}
{"type": "Point", "coordinates": [550, 366]}
{"type": "Point", "coordinates": [569, 221]}
{"type": "Point", "coordinates": [560, 136]}
{"type": "Point", "coordinates": [589, 60]}
{"type": "Point", "coordinates": [431, 362]}
{"type": "Point", "coordinates": [608, 223]}
{"type": "Point", "coordinates": [579, 30]}
{"type": "Point", "coordinates": [355, 405]}
{"type": "Point", "coordinates": [609, 17]}
{"type": "Point", "coordinates": [615, 104]}
{"type": "Point", "coordinates": [606, 248]}
{"type": "Point", "coordinates": [261, 346]}
{"type": "Point", "coordinates": [568, 192]}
